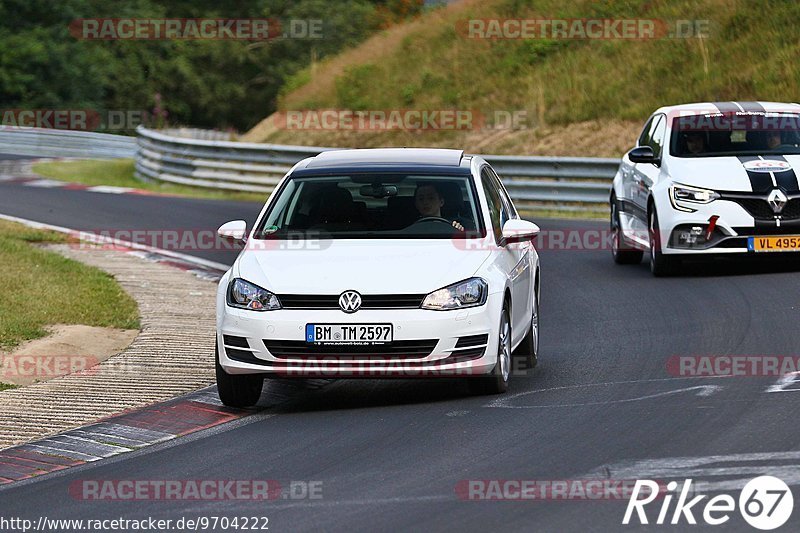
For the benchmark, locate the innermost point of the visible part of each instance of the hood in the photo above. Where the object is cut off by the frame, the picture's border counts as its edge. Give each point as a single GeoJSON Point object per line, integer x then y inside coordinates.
{"type": "Point", "coordinates": [364, 265]}
{"type": "Point", "coordinates": [729, 173]}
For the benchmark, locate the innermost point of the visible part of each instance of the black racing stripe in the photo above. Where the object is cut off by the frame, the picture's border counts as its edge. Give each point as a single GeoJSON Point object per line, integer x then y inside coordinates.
{"type": "Point", "coordinates": [753, 107]}
{"type": "Point", "coordinates": [726, 107]}
{"type": "Point", "coordinates": [759, 181]}
{"type": "Point", "coordinates": [786, 180]}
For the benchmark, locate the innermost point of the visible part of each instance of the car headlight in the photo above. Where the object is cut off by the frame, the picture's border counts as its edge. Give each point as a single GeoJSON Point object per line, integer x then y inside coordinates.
{"type": "Point", "coordinates": [245, 295]}
{"type": "Point", "coordinates": [468, 293]}
{"type": "Point", "coordinates": [685, 193]}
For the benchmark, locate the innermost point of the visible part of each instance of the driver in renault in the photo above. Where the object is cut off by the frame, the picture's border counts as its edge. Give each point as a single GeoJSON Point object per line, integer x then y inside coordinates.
{"type": "Point", "coordinates": [429, 202]}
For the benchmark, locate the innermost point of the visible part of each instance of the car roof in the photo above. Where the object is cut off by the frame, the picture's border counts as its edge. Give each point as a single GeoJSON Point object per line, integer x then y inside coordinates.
{"type": "Point", "coordinates": [381, 157]}
{"type": "Point", "coordinates": [702, 108]}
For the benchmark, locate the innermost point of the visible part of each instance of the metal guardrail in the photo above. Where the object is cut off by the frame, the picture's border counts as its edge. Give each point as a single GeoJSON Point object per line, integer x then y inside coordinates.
{"type": "Point", "coordinates": [237, 166]}
{"type": "Point", "coordinates": [42, 142]}
{"type": "Point", "coordinates": [179, 156]}
{"type": "Point", "coordinates": [556, 183]}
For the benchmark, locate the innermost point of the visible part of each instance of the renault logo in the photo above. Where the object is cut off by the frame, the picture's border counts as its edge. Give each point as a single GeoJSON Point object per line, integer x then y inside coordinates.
{"type": "Point", "coordinates": [777, 200]}
{"type": "Point", "coordinates": [350, 301]}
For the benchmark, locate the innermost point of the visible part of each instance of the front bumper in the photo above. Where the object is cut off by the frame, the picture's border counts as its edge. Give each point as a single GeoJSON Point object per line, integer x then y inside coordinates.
{"type": "Point", "coordinates": [243, 337]}
{"type": "Point", "coordinates": [734, 227]}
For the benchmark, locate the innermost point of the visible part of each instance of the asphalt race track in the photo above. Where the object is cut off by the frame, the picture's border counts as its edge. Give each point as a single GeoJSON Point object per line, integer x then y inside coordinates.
{"type": "Point", "coordinates": [391, 454]}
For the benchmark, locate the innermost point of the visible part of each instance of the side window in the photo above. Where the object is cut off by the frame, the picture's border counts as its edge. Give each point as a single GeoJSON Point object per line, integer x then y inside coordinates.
{"type": "Point", "coordinates": [644, 138]}
{"type": "Point", "coordinates": [509, 205]}
{"type": "Point", "coordinates": [657, 138]}
{"type": "Point", "coordinates": [495, 203]}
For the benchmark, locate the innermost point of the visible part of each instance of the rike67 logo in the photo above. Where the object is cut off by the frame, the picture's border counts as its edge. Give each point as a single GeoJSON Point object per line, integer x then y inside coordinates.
{"type": "Point", "coordinates": [765, 503]}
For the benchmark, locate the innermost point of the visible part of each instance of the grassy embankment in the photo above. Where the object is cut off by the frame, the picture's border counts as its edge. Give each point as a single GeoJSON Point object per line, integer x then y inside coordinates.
{"type": "Point", "coordinates": [580, 97]}
{"type": "Point", "coordinates": [40, 288]}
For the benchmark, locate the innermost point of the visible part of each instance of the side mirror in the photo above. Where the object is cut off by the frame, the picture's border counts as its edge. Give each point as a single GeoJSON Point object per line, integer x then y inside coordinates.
{"type": "Point", "coordinates": [517, 230]}
{"type": "Point", "coordinates": [234, 231]}
{"type": "Point", "coordinates": [643, 154]}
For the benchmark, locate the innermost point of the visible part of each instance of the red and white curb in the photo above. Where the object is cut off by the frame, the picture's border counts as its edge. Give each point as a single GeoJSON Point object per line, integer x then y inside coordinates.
{"type": "Point", "coordinates": [141, 427]}
{"type": "Point", "coordinates": [45, 183]}
{"type": "Point", "coordinates": [138, 428]}
{"type": "Point", "coordinates": [19, 172]}
{"type": "Point", "coordinates": [117, 434]}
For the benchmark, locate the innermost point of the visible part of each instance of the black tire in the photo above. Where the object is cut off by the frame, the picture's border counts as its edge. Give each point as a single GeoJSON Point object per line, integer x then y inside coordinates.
{"type": "Point", "coordinates": [526, 356]}
{"type": "Point", "coordinates": [497, 381]}
{"type": "Point", "coordinates": [241, 390]}
{"type": "Point", "coordinates": [660, 265]}
{"type": "Point", "coordinates": [621, 252]}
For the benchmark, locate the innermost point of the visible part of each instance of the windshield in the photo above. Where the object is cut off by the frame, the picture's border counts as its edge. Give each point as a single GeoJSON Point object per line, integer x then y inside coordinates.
{"type": "Point", "coordinates": [374, 205]}
{"type": "Point", "coordinates": [741, 133]}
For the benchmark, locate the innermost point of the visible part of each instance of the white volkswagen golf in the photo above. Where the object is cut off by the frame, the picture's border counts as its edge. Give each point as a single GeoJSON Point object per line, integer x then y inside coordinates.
{"type": "Point", "coordinates": [380, 263]}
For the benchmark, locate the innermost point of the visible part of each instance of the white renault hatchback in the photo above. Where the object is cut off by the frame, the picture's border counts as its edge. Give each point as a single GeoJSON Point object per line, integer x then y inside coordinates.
{"type": "Point", "coordinates": [380, 263]}
{"type": "Point", "coordinates": [707, 179]}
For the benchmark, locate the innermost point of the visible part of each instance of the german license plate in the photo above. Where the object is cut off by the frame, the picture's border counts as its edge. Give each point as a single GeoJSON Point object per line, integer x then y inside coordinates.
{"type": "Point", "coordinates": [349, 333]}
{"type": "Point", "coordinates": [787, 243]}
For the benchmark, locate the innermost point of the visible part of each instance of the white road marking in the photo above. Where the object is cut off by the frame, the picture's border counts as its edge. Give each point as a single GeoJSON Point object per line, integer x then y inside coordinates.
{"type": "Point", "coordinates": [503, 402]}
{"type": "Point", "coordinates": [45, 183]}
{"type": "Point", "coordinates": [110, 189]}
{"type": "Point", "coordinates": [786, 380]}
{"type": "Point", "coordinates": [699, 469]}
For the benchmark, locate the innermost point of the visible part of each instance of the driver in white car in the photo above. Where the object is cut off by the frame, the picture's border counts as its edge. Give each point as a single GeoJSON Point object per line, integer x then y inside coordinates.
{"type": "Point", "coordinates": [429, 203]}
{"type": "Point", "coordinates": [773, 140]}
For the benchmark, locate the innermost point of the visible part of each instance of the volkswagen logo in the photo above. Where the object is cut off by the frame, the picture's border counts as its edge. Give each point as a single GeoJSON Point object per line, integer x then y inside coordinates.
{"type": "Point", "coordinates": [777, 200]}
{"type": "Point", "coordinates": [350, 301]}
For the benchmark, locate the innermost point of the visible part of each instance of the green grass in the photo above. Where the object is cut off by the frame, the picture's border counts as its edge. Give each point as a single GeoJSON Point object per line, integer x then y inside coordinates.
{"type": "Point", "coordinates": [40, 288]}
{"type": "Point", "coordinates": [6, 386]}
{"type": "Point", "coordinates": [119, 173]}
{"type": "Point", "coordinates": [746, 55]}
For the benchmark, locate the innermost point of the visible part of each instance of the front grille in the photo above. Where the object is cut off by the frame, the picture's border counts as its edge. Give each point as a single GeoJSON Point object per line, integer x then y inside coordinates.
{"type": "Point", "coordinates": [758, 207]}
{"type": "Point", "coordinates": [791, 210]}
{"type": "Point", "coordinates": [415, 349]}
{"type": "Point", "coordinates": [368, 301]}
